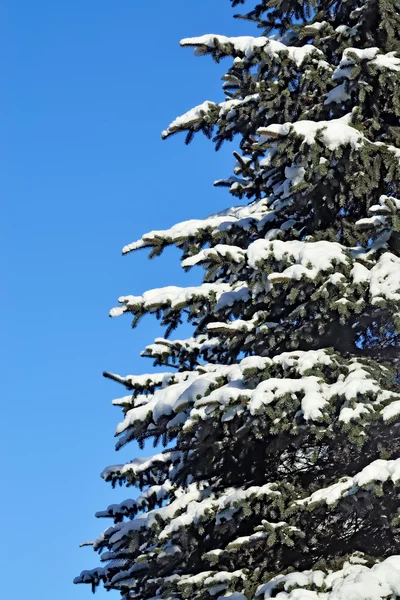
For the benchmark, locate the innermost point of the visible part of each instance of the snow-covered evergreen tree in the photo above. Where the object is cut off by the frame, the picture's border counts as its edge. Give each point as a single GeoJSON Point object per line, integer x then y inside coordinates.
{"type": "Point", "coordinates": [281, 421]}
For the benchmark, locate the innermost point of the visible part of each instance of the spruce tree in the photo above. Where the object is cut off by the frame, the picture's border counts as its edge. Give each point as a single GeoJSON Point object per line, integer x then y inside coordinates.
{"type": "Point", "coordinates": [279, 417]}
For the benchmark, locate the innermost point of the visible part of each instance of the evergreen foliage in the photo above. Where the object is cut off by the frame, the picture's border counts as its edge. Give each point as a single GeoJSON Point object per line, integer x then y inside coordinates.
{"type": "Point", "coordinates": [280, 416]}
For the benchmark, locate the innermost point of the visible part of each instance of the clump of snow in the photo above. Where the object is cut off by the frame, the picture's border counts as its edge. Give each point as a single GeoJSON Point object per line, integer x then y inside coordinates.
{"type": "Point", "coordinates": [139, 465]}
{"type": "Point", "coordinates": [378, 471]}
{"type": "Point", "coordinates": [388, 206]}
{"type": "Point", "coordinates": [317, 25]}
{"type": "Point", "coordinates": [179, 297]}
{"type": "Point", "coordinates": [199, 506]}
{"type": "Point", "coordinates": [360, 394]}
{"type": "Point", "coordinates": [312, 403]}
{"type": "Point", "coordinates": [247, 46]}
{"type": "Point", "coordinates": [333, 134]}
{"type": "Point", "coordinates": [242, 325]}
{"type": "Point", "coordinates": [391, 410]}
{"type": "Point", "coordinates": [163, 348]}
{"type": "Point", "coordinates": [165, 513]}
{"type": "Point", "coordinates": [309, 258]}
{"type": "Point", "coordinates": [217, 253]}
{"type": "Point", "coordinates": [211, 578]}
{"type": "Point", "coordinates": [338, 95]}
{"type": "Point", "coordinates": [130, 505]}
{"type": "Point", "coordinates": [237, 293]}
{"type": "Point", "coordinates": [385, 279]}
{"type": "Point", "coordinates": [387, 61]}
{"type": "Point", "coordinates": [303, 361]}
{"type": "Point", "coordinates": [169, 400]}
{"type": "Point", "coordinates": [351, 56]}
{"type": "Point", "coordinates": [233, 596]}
{"type": "Point", "coordinates": [191, 118]}
{"type": "Point", "coordinates": [360, 273]}
{"type": "Point", "coordinates": [352, 582]}
{"type": "Point", "coordinates": [222, 221]}
{"type": "Point", "coordinates": [196, 116]}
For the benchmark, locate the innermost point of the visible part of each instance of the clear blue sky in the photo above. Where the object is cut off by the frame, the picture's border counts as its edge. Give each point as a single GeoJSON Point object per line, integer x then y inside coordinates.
{"type": "Point", "coordinates": [87, 88]}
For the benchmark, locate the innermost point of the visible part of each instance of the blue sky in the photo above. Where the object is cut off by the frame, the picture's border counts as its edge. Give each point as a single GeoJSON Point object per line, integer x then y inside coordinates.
{"type": "Point", "coordinates": [89, 87]}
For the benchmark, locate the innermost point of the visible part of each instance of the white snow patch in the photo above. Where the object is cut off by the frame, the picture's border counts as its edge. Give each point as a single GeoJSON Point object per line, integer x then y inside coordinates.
{"type": "Point", "coordinates": [248, 45]}
{"type": "Point", "coordinates": [378, 471]}
{"type": "Point", "coordinates": [353, 582]}
{"type": "Point", "coordinates": [334, 133]}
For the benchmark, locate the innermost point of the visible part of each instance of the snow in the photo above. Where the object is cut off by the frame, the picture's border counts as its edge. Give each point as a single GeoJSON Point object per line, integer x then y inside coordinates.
{"type": "Point", "coordinates": [230, 392]}
{"type": "Point", "coordinates": [381, 61]}
{"type": "Point", "coordinates": [357, 382]}
{"type": "Point", "coordinates": [391, 410]}
{"type": "Point", "coordinates": [193, 118]}
{"type": "Point", "coordinates": [378, 471]}
{"type": "Point", "coordinates": [125, 400]}
{"type": "Point", "coordinates": [254, 362]}
{"type": "Point", "coordinates": [380, 220]}
{"type": "Point", "coordinates": [241, 325]}
{"type": "Point", "coordinates": [195, 579]}
{"type": "Point", "coordinates": [165, 513]}
{"type": "Point", "coordinates": [140, 465]}
{"type": "Point", "coordinates": [352, 582]}
{"type": "Point", "coordinates": [329, 495]}
{"type": "Point", "coordinates": [238, 293]}
{"type": "Point", "coordinates": [248, 46]}
{"type": "Point", "coordinates": [118, 311]}
{"type": "Point", "coordinates": [219, 222]}
{"type": "Point", "coordinates": [385, 279]}
{"type": "Point", "coordinates": [171, 400]}
{"type": "Point", "coordinates": [333, 134]}
{"type": "Point", "coordinates": [388, 148]}
{"type": "Point", "coordinates": [224, 577]}
{"type": "Point", "coordinates": [272, 389]}
{"type": "Point", "coordinates": [163, 348]}
{"type": "Point", "coordinates": [179, 232]}
{"type": "Point", "coordinates": [316, 25]}
{"type": "Point", "coordinates": [359, 273]}
{"type": "Point", "coordinates": [198, 507]}
{"type": "Point", "coordinates": [233, 596]}
{"type": "Point", "coordinates": [387, 61]}
{"type": "Point", "coordinates": [209, 578]}
{"type": "Point", "coordinates": [179, 297]}
{"type": "Point", "coordinates": [338, 95]}
{"type": "Point", "coordinates": [303, 579]}
{"type": "Point", "coordinates": [323, 64]}
{"type": "Point", "coordinates": [258, 535]}
{"type": "Point", "coordinates": [226, 107]}
{"type": "Point", "coordinates": [243, 44]}
{"type": "Point", "coordinates": [294, 175]}
{"type": "Point", "coordinates": [309, 257]}
{"type": "Point", "coordinates": [350, 57]}
{"type": "Point", "coordinates": [196, 116]}
{"type": "Point", "coordinates": [303, 361]}
{"type": "Point", "coordinates": [144, 382]}
{"type": "Point", "coordinates": [186, 507]}
{"type": "Point", "coordinates": [218, 253]}
{"type": "Point", "coordinates": [131, 505]}
{"type": "Point", "coordinates": [359, 393]}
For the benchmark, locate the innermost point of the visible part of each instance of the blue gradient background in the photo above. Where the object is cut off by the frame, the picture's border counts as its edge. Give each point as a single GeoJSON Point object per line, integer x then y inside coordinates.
{"type": "Point", "coordinates": [87, 88]}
